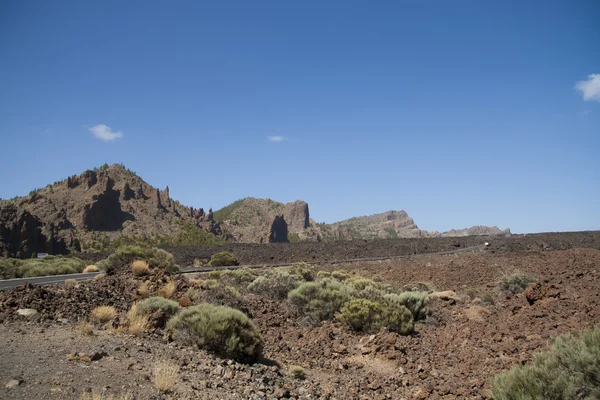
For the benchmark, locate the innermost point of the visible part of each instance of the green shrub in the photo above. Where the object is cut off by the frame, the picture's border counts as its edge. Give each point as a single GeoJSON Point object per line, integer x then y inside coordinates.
{"type": "Point", "coordinates": [515, 283]}
{"type": "Point", "coordinates": [222, 330]}
{"type": "Point", "coordinates": [416, 302]}
{"type": "Point", "coordinates": [12, 268]}
{"type": "Point", "coordinates": [242, 276]}
{"type": "Point", "coordinates": [340, 275]}
{"type": "Point", "coordinates": [223, 259]}
{"type": "Point", "coordinates": [217, 294]}
{"type": "Point", "coordinates": [372, 293]}
{"type": "Point", "coordinates": [359, 283]}
{"type": "Point", "coordinates": [124, 256]}
{"type": "Point", "coordinates": [570, 370]}
{"type": "Point", "coordinates": [323, 274]}
{"type": "Point", "coordinates": [398, 318]}
{"type": "Point", "coordinates": [362, 315]}
{"type": "Point", "coordinates": [274, 285]}
{"type": "Point", "coordinates": [302, 271]}
{"type": "Point", "coordinates": [321, 299]}
{"type": "Point", "coordinates": [152, 304]}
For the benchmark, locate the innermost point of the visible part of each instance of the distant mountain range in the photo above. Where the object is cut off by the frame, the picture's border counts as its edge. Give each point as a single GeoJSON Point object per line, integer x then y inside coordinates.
{"type": "Point", "coordinates": [112, 205]}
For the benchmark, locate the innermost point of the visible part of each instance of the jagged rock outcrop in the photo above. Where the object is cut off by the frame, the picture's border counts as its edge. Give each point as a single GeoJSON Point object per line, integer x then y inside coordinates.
{"type": "Point", "coordinates": [477, 230]}
{"type": "Point", "coordinates": [252, 220]}
{"type": "Point", "coordinates": [60, 217]}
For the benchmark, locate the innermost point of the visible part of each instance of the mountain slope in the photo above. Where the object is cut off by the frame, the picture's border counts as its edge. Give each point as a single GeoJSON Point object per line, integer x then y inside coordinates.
{"type": "Point", "coordinates": [98, 205]}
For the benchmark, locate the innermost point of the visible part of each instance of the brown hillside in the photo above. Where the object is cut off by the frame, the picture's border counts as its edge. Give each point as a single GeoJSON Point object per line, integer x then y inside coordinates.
{"type": "Point", "coordinates": [98, 204]}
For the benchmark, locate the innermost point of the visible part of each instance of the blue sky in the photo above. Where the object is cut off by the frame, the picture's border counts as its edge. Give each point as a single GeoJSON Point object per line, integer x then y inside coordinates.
{"type": "Point", "coordinates": [459, 112]}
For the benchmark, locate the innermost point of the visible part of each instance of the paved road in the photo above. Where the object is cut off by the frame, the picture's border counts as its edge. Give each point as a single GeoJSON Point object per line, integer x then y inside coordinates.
{"type": "Point", "coordinates": [57, 279]}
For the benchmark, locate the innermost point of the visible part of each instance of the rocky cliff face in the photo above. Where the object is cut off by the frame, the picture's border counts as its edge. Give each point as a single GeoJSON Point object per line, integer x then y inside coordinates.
{"type": "Point", "coordinates": [114, 201]}
{"type": "Point", "coordinates": [477, 230]}
{"type": "Point", "coordinates": [254, 220]}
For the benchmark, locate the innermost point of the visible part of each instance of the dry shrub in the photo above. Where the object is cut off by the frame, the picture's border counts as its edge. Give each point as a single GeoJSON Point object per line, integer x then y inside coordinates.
{"type": "Point", "coordinates": [140, 267]}
{"type": "Point", "coordinates": [297, 372]}
{"type": "Point", "coordinates": [138, 324]}
{"type": "Point", "coordinates": [70, 282]}
{"type": "Point", "coordinates": [90, 268]}
{"type": "Point", "coordinates": [165, 375]}
{"type": "Point", "coordinates": [185, 301]}
{"type": "Point", "coordinates": [86, 328]}
{"type": "Point", "coordinates": [99, 276]}
{"type": "Point", "coordinates": [103, 314]}
{"type": "Point", "coordinates": [168, 290]}
{"type": "Point", "coordinates": [143, 290]}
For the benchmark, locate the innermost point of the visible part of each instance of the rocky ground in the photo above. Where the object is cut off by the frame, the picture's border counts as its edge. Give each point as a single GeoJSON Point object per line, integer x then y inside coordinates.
{"type": "Point", "coordinates": [466, 339]}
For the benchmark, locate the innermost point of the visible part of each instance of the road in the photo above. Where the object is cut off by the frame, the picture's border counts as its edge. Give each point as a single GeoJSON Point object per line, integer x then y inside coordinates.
{"type": "Point", "coordinates": [58, 279]}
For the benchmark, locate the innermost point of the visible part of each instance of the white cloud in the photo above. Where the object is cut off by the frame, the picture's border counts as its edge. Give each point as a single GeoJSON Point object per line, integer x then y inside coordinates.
{"type": "Point", "coordinates": [276, 139]}
{"type": "Point", "coordinates": [104, 132]}
{"type": "Point", "coordinates": [590, 88]}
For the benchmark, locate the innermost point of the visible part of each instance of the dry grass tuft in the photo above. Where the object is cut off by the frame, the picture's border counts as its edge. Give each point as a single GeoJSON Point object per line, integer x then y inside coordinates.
{"type": "Point", "coordinates": [165, 375]}
{"type": "Point", "coordinates": [185, 301]}
{"type": "Point", "coordinates": [86, 328]}
{"type": "Point", "coordinates": [143, 291]}
{"type": "Point", "coordinates": [90, 268]}
{"type": "Point", "coordinates": [297, 372]}
{"type": "Point", "coordinates": [103, 314]}
{"type": "Point", "coordinates": [70, 282]}
{"type": "Point", "coordinates": [99, 276]}
{"type": "Point", "coordinates": [140, 267]}
{"type": "Point", "coordinates": [168, 290]}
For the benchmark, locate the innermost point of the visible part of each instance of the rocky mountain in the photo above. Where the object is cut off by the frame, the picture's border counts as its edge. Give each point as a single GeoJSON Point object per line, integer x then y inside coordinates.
{"type": "Point", "coordinates": [254, 220]}
{"type": "Point", "coordinates": [100, 204]}
{"type": "Point", "coordinates": [392, 225]}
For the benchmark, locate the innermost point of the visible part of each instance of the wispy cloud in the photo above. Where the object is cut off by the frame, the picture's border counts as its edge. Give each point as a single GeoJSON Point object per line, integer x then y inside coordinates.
{"type": "Point", "coordinates": [276, 139]}
{"type": "Point", "coordinates": [590, 88]}
{"type": "Point", "coordinates": [104, 132]}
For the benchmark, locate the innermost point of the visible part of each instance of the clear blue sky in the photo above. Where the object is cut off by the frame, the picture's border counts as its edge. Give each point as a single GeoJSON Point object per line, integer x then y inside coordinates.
{"type": "Point", "coordinates": [459, 112]}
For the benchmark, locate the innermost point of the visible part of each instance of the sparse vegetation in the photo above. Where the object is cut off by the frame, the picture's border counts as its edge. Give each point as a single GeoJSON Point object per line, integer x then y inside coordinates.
{"type": "Point", "coordinates": [570, 370]}
{"type": "Point", "coordinates": [124, 256]}
{"type": "Point", "coordinates": [515, 283]}
{"type": "Point", "coordinates": [321, 299]}
{"type": "Point", "coordinates": [415, 302]}
{"type": "Point", "coordinates": [152, 304]}
{"type": "Point", "coordinates": [100, 395]}
{"type": "Point", "coordinates": [85, 328]}
{"type": "Point", "coordinates": [216, 293]}
{"type": "Point", "coordinates": [99, 276]}
{"type": "Point", "coordinates": [241, 276]}
{"type": "Point", "coordinates": [140, 267]}
{"type": "Point", "coordinates": [165, 375]}
{"type": "Point", "coordinates": [143, 290]}
{"type": "Point", "coordinates": [222, 330]}
{"type": "Point", "coordinates": [70, 282]}
{"type": "Point", "coordinates": [223, 259]}
{"type": "Point", "coordinates": [103, 314]}
{"type": "Point", "coordinates": [274, 285]}
{"type": "Point", "coordinates": [11, 268]}
{"type": "Point", "coordinates": [226, 212]}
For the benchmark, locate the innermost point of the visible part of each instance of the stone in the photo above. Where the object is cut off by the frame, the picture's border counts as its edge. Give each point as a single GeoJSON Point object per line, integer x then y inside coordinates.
{"type": "Point", "coordinates": [27, 312]}
{"type": "Point", "coordinates": [13, 383]}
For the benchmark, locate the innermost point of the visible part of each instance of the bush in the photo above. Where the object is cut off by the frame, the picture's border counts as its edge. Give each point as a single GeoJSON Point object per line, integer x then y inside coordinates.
{"type": "Point", "coordinates": [416, 302]}
{"type": "Point", "coordinates": [168, 290]}
{"type": "Point", "coordinates": [302, 271]}
{"type": "Point", "coordinates": [570, 370]}
{"type": "Point", "coordinates": [242, 276]}
{"type": "Point", "coordinates": [225, 331]}
{"type": "Point", "coordinates": [103, 314]}
{"type": "Point", "coordinates": [217, 294]}
{"type": "Point", "coordinates": [140, 267]}
{"type": "Point", "coordinates": [154, 303]}
{"type": "Point", "coordinates": [321, 299]}
{"type": "Point", "coordinates": [323, 274]}
{"type": "Point", "coordinates": [297, 372]}
{"type": "Point", "coordinates": [124, 256]}
{"type": "Point", "coordinates": [274, 285]}
{"type": "Point", "coordinates": [90, 268]}
{"type": "Point", "coordinates": [515, 283]}
{"type": "Point", "coordinates": [165, 375]}
{"type": "Point", "coordinates": [359, 283]}
{"type": "Point", "coordinates": [362, 315]}
{"type": "Point", "coordinates": [12, 268]}
{"type": "Point", "coordinates": [223, 259]}
{"type": "Point", "coordinates": [340, 275]}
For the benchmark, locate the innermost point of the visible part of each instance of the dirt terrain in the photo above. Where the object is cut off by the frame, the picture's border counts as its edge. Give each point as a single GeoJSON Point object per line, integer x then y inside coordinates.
{"type": "Point", "coordinates": [452, 354]}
